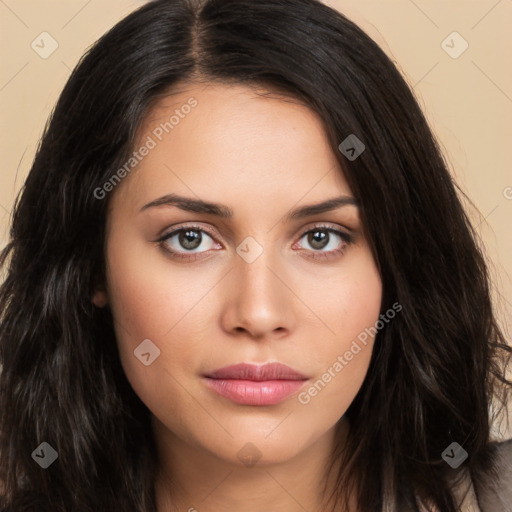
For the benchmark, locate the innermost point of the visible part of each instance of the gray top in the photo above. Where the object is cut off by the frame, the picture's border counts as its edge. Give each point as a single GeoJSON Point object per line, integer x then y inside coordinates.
{"type": "Point", "coordinates": [495, 494]}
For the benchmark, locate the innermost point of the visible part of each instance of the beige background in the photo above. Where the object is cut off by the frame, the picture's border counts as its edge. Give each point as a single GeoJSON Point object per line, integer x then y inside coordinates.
{"type": "Point", "coordinates": [467, 99]}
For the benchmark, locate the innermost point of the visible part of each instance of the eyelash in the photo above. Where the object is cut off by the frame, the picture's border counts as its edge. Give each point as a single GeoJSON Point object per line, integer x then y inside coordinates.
{"type": "Point", "coordinates": [317, 255]}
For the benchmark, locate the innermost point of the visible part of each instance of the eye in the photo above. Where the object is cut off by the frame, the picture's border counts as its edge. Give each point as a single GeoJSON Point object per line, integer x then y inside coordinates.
{"type": "Point", "coordinates": [187, 242]}
{"type": "Point", "coordinates": [190, 242]}
{"type": "Point", "coordinates": [326, 242]}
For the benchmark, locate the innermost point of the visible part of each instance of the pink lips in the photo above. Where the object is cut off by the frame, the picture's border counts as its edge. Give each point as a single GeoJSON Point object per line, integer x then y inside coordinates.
{"type": "Point", "coordinates": [255, 385]}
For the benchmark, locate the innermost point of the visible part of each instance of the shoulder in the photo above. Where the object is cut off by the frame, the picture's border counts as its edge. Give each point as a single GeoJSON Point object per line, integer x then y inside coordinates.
{"type": "Point", "coordinates": [494, 490]}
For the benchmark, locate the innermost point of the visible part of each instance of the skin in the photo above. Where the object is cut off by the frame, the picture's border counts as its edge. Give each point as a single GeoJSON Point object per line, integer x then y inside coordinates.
{"type": "Point", "coordinates": [261, 157]}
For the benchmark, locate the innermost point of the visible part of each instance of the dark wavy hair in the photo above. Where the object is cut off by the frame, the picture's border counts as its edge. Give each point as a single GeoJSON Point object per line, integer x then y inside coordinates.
{"type": "Point", "coordinates": [437, 370]}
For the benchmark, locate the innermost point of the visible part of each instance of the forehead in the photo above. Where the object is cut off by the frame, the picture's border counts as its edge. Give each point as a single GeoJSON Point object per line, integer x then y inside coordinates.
{"type": "Point", "coordinates": [232, 142]}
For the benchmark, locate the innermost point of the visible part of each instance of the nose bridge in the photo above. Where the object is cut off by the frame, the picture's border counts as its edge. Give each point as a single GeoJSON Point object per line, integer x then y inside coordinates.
{"type": "Point", "coordinates": [256, 277]}
{"type": "Point", "coordinates": [262, 302]}
{"type": "Point", "coordinates": [253, 270]}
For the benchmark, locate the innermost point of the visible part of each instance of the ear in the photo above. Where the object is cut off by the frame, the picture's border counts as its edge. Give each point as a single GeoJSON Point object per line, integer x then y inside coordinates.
{"type": "Point", "coordinates": [100, 299]}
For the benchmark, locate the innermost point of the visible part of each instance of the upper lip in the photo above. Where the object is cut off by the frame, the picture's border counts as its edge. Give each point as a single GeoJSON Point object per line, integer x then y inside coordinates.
{"type": "Point", "coordinates": [244, 371]}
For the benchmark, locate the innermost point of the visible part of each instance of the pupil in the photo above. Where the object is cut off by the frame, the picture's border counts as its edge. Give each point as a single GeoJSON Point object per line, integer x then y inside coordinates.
{"type": "Point", "coordinates": [318, 239]}
{"type": "Point", "coordinates": [190, 239]}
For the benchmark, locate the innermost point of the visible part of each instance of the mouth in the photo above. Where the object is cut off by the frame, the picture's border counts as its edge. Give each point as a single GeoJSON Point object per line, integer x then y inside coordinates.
{"type": "Point", "coordinates": [249, 384]}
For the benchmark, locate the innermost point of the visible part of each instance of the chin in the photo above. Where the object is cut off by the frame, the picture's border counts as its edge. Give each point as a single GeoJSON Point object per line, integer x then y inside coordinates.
{"type": "Point", "coordinates": [255, 450]}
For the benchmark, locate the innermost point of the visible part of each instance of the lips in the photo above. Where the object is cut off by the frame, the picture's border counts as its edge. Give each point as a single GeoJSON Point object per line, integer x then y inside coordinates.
{"type": "Point", "coordinates": [270, 371]}
{"type": "Point", "coordinates": [249, 384]}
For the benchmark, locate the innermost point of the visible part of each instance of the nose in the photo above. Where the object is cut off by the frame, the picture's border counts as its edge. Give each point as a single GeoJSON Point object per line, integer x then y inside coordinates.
{"type": "Point", "coordinates": [258, 300]}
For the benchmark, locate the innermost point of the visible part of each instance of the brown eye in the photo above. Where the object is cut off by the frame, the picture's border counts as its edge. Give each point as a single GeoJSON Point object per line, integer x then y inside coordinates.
{"type": "Point", "coordinates": [318, 239]}
{"type": "Point", "coordinates": [322, 238]}
{"type": "Point", "coordinates": [190, 239]}
{"type": "Point", "coordinates": [324, 242]}
{"type": "Point", "coordinates": [187, 242]}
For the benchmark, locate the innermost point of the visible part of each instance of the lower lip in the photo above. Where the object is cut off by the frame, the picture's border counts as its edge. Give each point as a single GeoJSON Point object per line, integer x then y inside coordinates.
{"type": "Point", "coordinates": [250, 392]}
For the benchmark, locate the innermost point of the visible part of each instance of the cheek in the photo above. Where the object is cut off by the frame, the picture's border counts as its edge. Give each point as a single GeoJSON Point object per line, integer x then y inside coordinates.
{"type": "Point", "coordinates": [350, 301]}
{"type": "Point", "coordinates": [147, 298]}
{"type": "Point", "coordinates": [330, 393]}
{"type": "Point", "coordinates": [350, 306]}
{"type": "Point", "coordinates": [150, 303]}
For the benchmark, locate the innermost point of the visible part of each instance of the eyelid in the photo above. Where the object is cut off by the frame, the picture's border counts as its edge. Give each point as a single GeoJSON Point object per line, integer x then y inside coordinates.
{"type": "Point", "coordinates": [196, 225]}
{"type": "Point", "coordinates": [345, 232]}
{"type": "Point", "coordinates": [172, 230]}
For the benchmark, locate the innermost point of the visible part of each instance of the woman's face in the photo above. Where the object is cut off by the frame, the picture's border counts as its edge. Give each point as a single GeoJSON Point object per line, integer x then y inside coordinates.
{"type": "Point", "coordinates": [251, 281]}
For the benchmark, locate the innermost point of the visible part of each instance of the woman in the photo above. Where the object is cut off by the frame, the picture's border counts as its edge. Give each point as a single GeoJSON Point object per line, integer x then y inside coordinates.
{"type": "Point", "coordinates": [240, 277]}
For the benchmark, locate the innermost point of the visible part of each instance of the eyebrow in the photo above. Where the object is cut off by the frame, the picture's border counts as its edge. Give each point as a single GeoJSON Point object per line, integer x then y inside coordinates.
{"type": "Point", "coordinates": [199, 206]}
